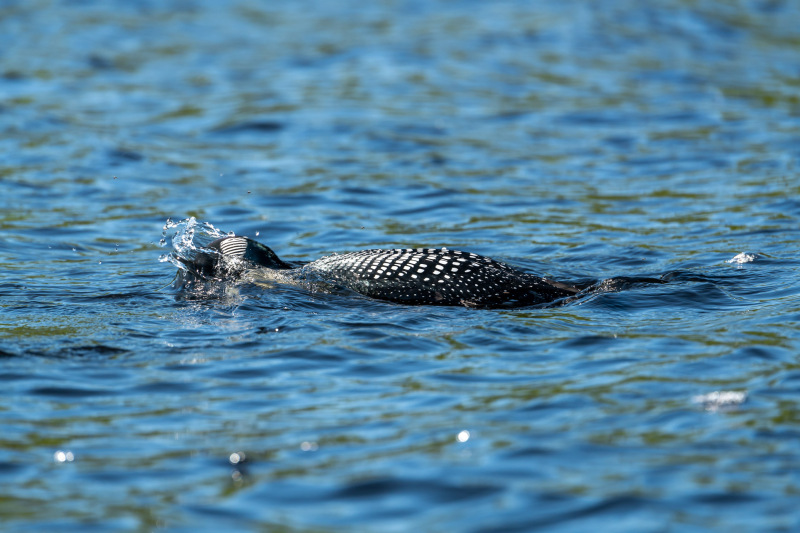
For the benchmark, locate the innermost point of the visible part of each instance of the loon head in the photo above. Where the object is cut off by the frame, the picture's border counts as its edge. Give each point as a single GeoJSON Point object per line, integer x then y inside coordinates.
{"type": "Point", "coordinates": [230, 256]}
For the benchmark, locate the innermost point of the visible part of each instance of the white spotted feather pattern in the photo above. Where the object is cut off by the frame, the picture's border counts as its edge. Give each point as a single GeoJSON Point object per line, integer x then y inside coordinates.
{"type": "Point", "coordinates": [435, 276]}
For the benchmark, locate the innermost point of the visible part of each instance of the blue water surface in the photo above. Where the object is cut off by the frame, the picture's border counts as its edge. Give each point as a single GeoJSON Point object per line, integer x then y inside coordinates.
{"type": "Point", "coordinates": [575, 140]}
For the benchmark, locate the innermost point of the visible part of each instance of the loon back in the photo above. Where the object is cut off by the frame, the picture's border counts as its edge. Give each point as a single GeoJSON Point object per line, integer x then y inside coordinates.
{"type": "Point", "coordinates": [432, 276]}
{"type": "Point", "coordinates": [437, 276]}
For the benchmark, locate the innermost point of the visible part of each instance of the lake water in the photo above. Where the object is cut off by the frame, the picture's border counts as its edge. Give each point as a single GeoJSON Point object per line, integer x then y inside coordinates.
{"type": "Point", "coordinates": [577, 140]}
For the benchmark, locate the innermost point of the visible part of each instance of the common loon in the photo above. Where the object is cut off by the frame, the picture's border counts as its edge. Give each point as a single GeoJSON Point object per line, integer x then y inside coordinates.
{"type": "Point", "coordinates": [420, 276]}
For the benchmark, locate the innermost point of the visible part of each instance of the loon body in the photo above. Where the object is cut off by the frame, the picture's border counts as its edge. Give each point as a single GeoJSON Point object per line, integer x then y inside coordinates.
{"type": "Point", "coordinates": [431, 276]}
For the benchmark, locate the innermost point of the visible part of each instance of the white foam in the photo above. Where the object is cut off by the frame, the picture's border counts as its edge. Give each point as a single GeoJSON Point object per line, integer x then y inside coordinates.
{"type": "Point", "coordinates": [720, 400]}
{"type": "Point", "coordinates": [743, 258]}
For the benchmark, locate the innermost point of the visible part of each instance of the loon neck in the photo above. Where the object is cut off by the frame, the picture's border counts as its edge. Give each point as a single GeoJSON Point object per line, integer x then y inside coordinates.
{"type": "Point", "coordinates": [249, 250]}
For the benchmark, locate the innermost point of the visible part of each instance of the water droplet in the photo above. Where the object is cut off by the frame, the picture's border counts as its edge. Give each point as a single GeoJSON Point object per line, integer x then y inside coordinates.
{"type": "Point", "coordinates": [309, 446]}
{"type": "Point", "coordinates": [62, 456]}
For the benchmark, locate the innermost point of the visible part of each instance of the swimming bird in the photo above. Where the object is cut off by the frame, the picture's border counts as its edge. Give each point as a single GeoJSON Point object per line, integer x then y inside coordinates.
{"type": "Point", "coordinates": [415, 276]}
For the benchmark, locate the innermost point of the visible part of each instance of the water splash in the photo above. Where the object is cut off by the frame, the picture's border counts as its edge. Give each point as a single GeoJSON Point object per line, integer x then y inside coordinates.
{"type": "Point", "coordinates": [189, 238]}
{"type": "Point", "coordinates": [742, 258]}
{"type": "Point", "coordinates": [720, 400]}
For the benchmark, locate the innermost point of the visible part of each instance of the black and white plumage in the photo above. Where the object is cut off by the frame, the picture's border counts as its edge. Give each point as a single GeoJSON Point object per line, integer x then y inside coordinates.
{"type": "Point", "coordinates": [432, 276]}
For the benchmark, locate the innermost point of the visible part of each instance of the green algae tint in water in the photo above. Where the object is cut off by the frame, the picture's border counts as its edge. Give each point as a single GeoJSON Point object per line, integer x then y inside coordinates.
{"type": "Point", "coordinates": [577, 141]}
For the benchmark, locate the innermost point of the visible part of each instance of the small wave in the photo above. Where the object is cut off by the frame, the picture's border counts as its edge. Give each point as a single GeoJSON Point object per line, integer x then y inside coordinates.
{"type": "Point", "coordinates": [743, 257]}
